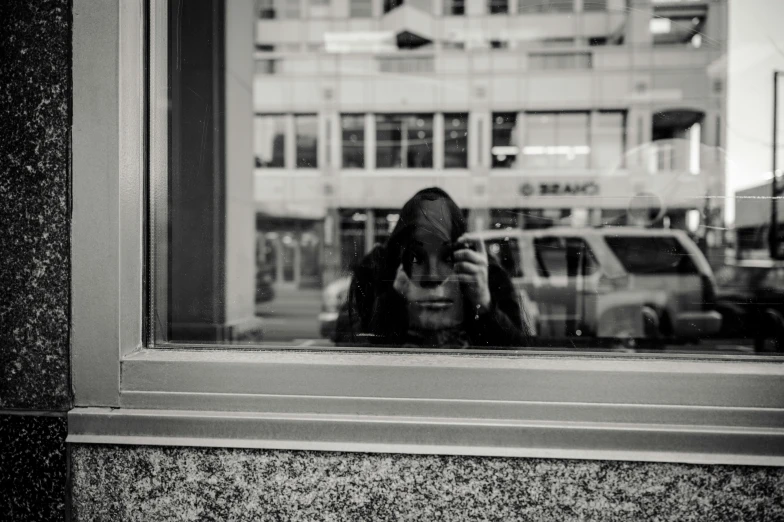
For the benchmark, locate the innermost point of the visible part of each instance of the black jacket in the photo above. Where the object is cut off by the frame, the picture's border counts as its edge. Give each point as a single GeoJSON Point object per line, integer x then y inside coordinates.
{"type": "Point", "coordinates": [375, 313]}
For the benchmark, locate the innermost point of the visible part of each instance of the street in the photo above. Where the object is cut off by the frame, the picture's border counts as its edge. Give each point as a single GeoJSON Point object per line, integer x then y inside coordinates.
{"type": "Point", "coordinates": [291, 315]}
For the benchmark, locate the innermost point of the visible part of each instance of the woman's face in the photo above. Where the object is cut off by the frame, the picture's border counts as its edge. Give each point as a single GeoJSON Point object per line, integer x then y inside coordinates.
{"type": "Point", "coordinates": [435, 301]}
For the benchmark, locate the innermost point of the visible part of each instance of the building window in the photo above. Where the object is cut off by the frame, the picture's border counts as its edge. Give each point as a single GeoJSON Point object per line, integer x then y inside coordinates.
{"type": "Point", "coordinates": [392, 4]}
{"type": "Point", "coordinates": [456, 141]}
{"type": "Point", "coordinates": [594, 5]}
{"type": "Point", "coordinates": [269, 136]}
{"type": "Point", "coordinates": [360, 9]}
{"type": "Point", "coordinates": [291, 8]}
{"type": "Point", "coordinates": [406, 64]}
{"type": "Point", "coordinates": [455, 7]}
{"type": "Point", "coordinates": [556, 140]}
{"type": "Point", "coordinates": [404, 141]}
{"type": "Point", "coordinates": [306, 126]}
{"type": "Point", "coordinates": [353, 142]}
{"type": "Point", "coordinates": [267, 66]}
{"type": "Point", "coordinates": [545, 6]}
{"type": "Point", "coordinates": [608, 140]}
{"type": "Point", "coordinates": [549, 61]}
{"type": "Point", "coordinates": [319, 8]}
{"type": "Point", "coordinates": [505, 149]}
{"type": "Point", "coordinates": [498, 6]}
{"type": "Point", "coordinates": [266, 9]}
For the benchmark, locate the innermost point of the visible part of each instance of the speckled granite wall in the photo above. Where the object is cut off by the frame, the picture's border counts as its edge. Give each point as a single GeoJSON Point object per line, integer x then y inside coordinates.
{"type": "Point", "coordinates": [35, 100]}
{"type": "Point", "coordinates": [35, 204]}
{"type": "Point", "coordinates": [34, 466]}
{"type": "Point", "coordinates": [126, 483]}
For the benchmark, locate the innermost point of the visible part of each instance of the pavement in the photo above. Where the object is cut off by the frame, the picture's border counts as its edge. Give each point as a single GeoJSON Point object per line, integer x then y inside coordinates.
{"type": "Point", "coordinates": [291, 316]}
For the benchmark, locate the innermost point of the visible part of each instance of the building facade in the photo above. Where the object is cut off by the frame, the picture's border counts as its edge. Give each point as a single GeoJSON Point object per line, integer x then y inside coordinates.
{"type": "Point", "coordinates": [528, 113]}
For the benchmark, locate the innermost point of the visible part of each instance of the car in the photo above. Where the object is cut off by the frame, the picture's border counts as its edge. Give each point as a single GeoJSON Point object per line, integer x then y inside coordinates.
{"type": "Point", "coordinates": [751, 300]}
{"type": "Point", "coordinates": [609, 282]}
{"type": "Point", "coordinates": [333, 297]}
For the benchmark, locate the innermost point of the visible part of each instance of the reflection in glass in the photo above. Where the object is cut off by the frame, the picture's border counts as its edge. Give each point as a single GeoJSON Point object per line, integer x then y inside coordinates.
{"type": "Point", "coordinates": [353, 144]}
{"type": "Point", "coordinates": [306, 126]}
{"type": "Point", "coordinates": [505, 148]}
{"type": "Point", "coordinates": [404, 141]}
{"type": "Point", "coordinates": [455, 140]}
{"type": "Point", "coordinates": [270, 140]}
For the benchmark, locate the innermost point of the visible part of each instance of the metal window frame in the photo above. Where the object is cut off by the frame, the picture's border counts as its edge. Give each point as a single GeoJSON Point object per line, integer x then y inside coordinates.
{"type": "Point", "coordinates": [715, 409]}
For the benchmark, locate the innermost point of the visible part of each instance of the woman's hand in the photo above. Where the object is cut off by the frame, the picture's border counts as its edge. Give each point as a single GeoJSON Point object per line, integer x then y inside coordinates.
{"type": "Point", "coordinates": [471, 269]}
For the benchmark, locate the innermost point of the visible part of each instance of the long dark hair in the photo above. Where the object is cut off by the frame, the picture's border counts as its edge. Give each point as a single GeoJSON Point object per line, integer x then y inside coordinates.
{"type": "Point", "coordinates": [382, 311]}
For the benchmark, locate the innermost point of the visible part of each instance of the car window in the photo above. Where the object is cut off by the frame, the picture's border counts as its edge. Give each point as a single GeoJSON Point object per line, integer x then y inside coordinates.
{"type": "Point", "coordinates": [507, 253]}
{"type": "Point", "coordinates": [564, 256]}
{"type": "Point", "coordinates": [652, 255]}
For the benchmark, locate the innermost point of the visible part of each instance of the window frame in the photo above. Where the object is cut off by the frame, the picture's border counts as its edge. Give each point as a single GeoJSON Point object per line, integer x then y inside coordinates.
{"type": "Point", "coordinates": [714, 409]}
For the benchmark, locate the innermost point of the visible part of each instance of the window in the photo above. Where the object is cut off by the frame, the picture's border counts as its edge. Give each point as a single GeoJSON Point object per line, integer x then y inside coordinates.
{"type": "Point", "coordinates": [392, 4]}
{"type": "Point", "coordinates": [131, 388]}
{"type": "Point", "coordinates": [506, 251]}
{"type": "Point", "coordinates": [498, 6]}
{"type": "Point", "coordinates": [267, 66]}
{"type": "Point", "coordinates": [564, 256]}
{"type": "Point", "coordinates": [361, 9]}
{"type": "Point", "coordinates": [608, 141]}
{"type": "Point", "coordinates": [505, 148]}
{"type": "Point", "coordinates": [269, 136]}
{"type": "Point", "coordinates": [645, 255]}
{"type": "Point", "coordinates": [454, 7]}
{"type": "Point", "coordinates": [306, 126]}
{"type": "Point", "coordinates": [549, 61]}
{"type": "Point", "coordinates": [594, 5]}
{"type": "Point", "coordinates": [266, 9]}
{"type": "Point", "coordinates": [556, 140]}
{"type": "Point", "coordinates": [404, 141]}
{"type": "Point", "coordinates": [455, 140]}
{"type": "Point", "coordinates": [353, 144]}
{"type": "Point", "coordinates": [545, 6]}
{"type": "Point", "coordinates": [319, 8]}
{"type": "Point", "coordinates": [405, 64]}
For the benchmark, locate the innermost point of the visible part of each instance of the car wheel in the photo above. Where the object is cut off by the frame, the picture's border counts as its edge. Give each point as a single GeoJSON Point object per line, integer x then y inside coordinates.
{"type": "Point", "coordinates": [656, 323]}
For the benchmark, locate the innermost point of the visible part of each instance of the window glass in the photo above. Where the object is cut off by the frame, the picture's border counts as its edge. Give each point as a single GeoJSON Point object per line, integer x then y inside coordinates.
{"type": "Point", "coordinates": [455, 140]}
{"type": "Point", "coordinates": [498, 6]}
{"type": "Point", "coordinates": [506, 252]}
{"type": "Point", "coordinates": [270, 140]}
{"type": "Point", "coordinates": [651, 255]}
{"type": "Point", "coordinates": [361, 9]}
{"type": "Point", "coordinates": [404, 141]}
{"type": "Point", "coordinates": [545, 6]}
{"type": "Point", "coordinates": [557, 140]}
{"type": "Point", "coordinates": [353, 144]}
{"type": "Point", "coordinates": [505, 149]}
{"type": "Point", "coordinates": [297, 144]}
{"type": "Point", "coordinates": [454, 7]}
{"type": "Point", "coordinates": [608, 140]}
{"type": "Point", "coordinates": [306, 126]}
{"type": "Point", "coordinates": [564, 256]}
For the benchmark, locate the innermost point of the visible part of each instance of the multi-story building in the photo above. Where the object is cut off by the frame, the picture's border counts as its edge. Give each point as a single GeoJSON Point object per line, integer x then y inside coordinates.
{"type": "Point", "coordinates": [528, 112]}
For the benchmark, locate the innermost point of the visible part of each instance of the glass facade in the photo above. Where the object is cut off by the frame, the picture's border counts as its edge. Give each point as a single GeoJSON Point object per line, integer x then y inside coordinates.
{"type": "Point", "coordinates": [404, 141]}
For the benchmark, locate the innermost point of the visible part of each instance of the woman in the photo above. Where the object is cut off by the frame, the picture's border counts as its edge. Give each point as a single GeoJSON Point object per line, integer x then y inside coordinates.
{"type": "Point", "coordinates": [426, 287]}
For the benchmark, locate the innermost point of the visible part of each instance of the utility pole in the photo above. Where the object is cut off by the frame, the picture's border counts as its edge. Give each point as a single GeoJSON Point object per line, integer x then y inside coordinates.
{"type": "Point", "coordinates": [776, 191]}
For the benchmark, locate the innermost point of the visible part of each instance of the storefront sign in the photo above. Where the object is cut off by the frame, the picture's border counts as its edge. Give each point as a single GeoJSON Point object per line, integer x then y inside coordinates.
{"type": "Point", "coordinates": [589, 188]}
